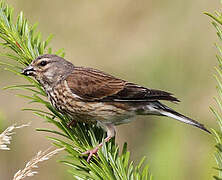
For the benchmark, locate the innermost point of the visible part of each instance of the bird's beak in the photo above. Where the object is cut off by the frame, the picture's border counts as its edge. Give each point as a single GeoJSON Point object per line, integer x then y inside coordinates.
{"type": "Point", "coordinates": [29, 71]}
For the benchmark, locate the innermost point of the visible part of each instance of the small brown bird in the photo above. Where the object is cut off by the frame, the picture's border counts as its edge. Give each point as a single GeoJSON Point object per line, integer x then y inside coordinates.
{"type": "Point", "coordinates": [91, 96]}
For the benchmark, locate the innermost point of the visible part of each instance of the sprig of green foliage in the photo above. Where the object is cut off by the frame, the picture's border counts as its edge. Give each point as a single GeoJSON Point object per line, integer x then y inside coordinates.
{"type": "Point", "coordinates": [25, 44]}
{"type": "Point", "coordinates": [217, 23]}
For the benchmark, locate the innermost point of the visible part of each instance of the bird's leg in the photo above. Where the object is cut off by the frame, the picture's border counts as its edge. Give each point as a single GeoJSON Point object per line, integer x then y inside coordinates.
{"type": "Point", "coordinates": [110, 133]}
{"type": "Point", "coordinates": [72, 123]}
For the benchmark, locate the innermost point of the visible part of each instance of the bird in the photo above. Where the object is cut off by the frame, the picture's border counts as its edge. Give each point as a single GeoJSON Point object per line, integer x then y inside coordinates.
{"type": "Point", "coordinates": [91, 96]}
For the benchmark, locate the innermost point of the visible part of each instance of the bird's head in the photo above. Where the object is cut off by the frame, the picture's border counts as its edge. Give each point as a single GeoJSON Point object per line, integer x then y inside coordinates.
{"type": "Point", "coordinates": [48, 69]}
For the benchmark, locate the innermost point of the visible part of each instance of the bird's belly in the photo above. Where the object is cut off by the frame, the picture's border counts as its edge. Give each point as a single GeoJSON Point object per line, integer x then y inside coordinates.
{"type": "Point", "coordinates": [98, 111]}
{"type": "Point", "coordinates": [90, 112]}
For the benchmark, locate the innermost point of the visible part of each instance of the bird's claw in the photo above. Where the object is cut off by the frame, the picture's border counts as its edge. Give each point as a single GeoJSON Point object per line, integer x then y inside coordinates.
{"type": "Point", "coordinates": [91, 153]}
{"type": "Point", "coordinates": [72, 123]}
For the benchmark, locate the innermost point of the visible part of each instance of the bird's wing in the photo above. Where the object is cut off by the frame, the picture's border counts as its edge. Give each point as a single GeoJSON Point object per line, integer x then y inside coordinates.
{"type": "Point", "coordinates": [94, 85]}
{"type": "Point", "coordinates": [91, 84]}
{"type": "Point", "coordinates": [134, 92]}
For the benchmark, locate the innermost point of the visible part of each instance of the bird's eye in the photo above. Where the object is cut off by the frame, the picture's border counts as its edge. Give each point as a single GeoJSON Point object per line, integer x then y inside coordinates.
{"type": "Point", "coordinates": [43, 63]}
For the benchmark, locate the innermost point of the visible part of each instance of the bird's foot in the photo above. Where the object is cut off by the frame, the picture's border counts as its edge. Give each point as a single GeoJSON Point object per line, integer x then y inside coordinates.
{"type": "Point", "coordinates": [72, 123]}
{"type": "Point", "coordinates": [91, 153]}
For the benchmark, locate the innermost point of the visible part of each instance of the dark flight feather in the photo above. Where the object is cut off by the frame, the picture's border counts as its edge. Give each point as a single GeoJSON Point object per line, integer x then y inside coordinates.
{"type": "Point", "coordinates": [94, 85]}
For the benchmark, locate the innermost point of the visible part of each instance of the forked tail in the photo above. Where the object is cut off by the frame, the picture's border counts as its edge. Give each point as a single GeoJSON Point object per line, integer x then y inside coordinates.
{"type": "Point", "coordinates": [166, 111]}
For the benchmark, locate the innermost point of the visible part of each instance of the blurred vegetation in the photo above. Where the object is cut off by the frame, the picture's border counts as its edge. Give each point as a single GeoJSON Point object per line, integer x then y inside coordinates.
{"type": "Point", "coordinates": [2, 120]}
{"type": "Point", "coordinates": [159, 44]}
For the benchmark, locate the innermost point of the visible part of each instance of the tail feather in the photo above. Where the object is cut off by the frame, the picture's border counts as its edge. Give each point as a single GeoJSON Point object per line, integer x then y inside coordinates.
{"type": "Point", "coordinates": [166, 111]}
{"type": "Point", "coordinates": [182, 118]}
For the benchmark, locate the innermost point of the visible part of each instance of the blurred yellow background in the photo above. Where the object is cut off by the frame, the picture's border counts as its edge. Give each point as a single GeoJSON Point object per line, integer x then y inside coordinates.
{"type": "Point", "coordinates": [166, 45]}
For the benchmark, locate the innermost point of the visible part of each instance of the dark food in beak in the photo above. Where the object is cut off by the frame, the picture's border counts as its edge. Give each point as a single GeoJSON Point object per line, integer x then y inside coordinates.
{"type": "Point", "coordinates": [28, 71]}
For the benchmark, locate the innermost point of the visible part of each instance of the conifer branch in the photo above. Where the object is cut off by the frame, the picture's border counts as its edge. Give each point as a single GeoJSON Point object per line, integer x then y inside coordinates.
{"type": "Point", "coordinates": [217, 134]}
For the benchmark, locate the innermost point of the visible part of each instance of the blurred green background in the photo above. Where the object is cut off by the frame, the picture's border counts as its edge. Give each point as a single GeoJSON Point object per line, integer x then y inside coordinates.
{"type": "Point", "coordinates": [167, 45]}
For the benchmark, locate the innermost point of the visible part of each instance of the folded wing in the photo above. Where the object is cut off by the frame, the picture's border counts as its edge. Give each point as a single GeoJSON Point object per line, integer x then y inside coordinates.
{"type": "Point", "coordinates": [94, 85]}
